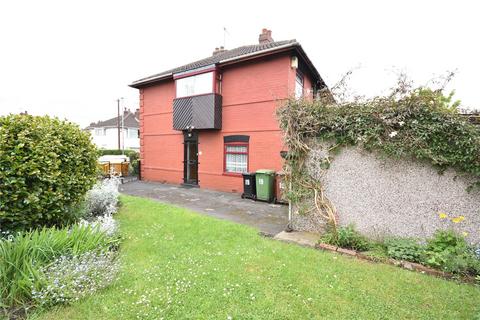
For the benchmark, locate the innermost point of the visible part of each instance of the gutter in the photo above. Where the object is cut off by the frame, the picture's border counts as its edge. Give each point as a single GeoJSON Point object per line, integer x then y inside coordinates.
{"type": "Point", "coordinates": [139, 83]}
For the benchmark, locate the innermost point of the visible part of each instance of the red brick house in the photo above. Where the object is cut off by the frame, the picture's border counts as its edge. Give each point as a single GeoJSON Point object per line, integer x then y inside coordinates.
{"type": "Point", "coordinates": [207, 122]}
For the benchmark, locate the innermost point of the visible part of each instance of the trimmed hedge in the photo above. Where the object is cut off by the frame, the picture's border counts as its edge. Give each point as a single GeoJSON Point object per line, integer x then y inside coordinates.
{"type": "Point", "coordinates": [46, 167]}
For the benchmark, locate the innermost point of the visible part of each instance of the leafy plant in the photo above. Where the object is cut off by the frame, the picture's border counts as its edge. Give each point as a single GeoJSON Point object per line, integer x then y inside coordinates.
{"type": "Point", "coordinates": [70, 278]}
{"type": "Point", "coordinates": [404, 249]}
{"type": "Point", "coordinates": [346, 237]}
{"type": "Point", "coordinates": [46, 167]}
{"type": "Point", "coordinates": [23, 256]}
{"type": "Point", "coordinates": [450, 252]}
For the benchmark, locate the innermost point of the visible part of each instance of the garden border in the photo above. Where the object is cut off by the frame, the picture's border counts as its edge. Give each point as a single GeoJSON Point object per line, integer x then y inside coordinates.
{"type": "Point", "coordinates": [412, 266]}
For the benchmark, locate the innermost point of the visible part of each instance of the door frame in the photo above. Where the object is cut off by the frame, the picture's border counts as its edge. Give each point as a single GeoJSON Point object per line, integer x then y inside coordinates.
{"type": "Point", "coordinates": [190, 137]}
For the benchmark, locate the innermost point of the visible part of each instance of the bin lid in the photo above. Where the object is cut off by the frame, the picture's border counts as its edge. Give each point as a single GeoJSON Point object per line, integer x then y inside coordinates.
{"type": "Point", "coordinates": [248, 174]}
{"type": "Point", "coordinates": [266, 171]}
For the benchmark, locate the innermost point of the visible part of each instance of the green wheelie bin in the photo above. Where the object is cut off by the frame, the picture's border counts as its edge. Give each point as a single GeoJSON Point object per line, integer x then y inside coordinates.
{"type": "Point", "coordinates": [265, 184]}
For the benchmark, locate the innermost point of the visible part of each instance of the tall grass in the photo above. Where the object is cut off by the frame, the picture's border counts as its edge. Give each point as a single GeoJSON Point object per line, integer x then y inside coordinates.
{"type": "Point", "coordinates": [22, 257]}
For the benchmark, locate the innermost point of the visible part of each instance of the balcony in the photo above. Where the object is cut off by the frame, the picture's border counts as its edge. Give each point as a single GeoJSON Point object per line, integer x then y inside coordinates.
{"type": "Point", "coordinates": [200, 112]}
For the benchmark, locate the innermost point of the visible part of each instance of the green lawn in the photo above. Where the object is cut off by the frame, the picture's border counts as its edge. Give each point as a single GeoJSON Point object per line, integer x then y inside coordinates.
{"type": "Point", "coordinates": [182, 265]}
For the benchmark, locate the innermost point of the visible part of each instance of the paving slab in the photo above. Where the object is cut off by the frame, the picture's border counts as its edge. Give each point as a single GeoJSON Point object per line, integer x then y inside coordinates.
{"type": "Point", "coordinates": [266, 217]}
{"type": "Point", "coordinates": [303, 238]}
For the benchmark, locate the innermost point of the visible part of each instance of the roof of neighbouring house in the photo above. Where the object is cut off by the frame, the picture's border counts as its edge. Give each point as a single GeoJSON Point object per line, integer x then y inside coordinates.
{"type": "Point", "coordinates": [233, 55]}
{"type": "Point", "coordinates": [130, 120]}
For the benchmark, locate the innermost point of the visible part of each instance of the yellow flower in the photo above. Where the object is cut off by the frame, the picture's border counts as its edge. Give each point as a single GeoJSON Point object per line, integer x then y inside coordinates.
{"type": "Point", "coordinates": [442, 215]}
{"type": "Point", "coordinates": [458, 219]}
{"type": "Point", "coordinates": [465, 234]}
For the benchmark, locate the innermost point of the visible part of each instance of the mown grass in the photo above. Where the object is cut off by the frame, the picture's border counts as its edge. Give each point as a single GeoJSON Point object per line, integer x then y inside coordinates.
{"type": "Point", "coordinates": [178, 264]}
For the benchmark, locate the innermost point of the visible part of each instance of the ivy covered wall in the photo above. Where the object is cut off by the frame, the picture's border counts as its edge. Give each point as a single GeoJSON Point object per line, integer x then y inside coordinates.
{"type": "Point", "coordinates": [416, 133]}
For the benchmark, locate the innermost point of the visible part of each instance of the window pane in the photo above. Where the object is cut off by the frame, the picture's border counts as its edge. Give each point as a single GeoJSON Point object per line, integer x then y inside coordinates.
{"type": "Point", "coordinates": [194, 85]}
{"type": "Point", "coordinates": [298, 85]}
{"type": "Point", "coordinates": [132, 133]}
{"type": "Point", "coordinates": [237, 149]}
{"type": "Point", "coordinates": [236, 162]}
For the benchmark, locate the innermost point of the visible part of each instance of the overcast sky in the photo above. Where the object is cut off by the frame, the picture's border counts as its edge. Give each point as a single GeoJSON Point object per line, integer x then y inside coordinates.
{"type": "Point", "coordinates": [73, 59]}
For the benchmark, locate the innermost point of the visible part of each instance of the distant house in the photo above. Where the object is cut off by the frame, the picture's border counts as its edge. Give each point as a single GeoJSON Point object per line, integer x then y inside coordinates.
{"type": "Point", "coordinates": [207, 122]}
{"type": "Point", "coordinates": [105, 133]}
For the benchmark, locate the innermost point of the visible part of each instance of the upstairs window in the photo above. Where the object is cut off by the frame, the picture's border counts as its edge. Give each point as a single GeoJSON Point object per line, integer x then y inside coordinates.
{"type": "Point", "coordinates": [195, 85]}
{"type": "Point", "coordinates": [133, 133]}
{"type": "Point", "coordinates": [299, 85]}
{"type": "Point", "coordinates": [100, 132]}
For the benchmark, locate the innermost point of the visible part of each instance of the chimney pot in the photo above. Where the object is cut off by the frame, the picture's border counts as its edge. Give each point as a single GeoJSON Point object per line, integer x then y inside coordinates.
{"type": "Point", "coordinates": [265, 36]}
{"type": "Point", "coordinates": [218, 50]}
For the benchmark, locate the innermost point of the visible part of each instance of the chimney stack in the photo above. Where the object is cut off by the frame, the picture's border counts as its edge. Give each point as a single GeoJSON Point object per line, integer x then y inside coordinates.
{"type": "Point", "coordinates": [219, 50]}
{"type": "Point", "coordinates": [265, 36]}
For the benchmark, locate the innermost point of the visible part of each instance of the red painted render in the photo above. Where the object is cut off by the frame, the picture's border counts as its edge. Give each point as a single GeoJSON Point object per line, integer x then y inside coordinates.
{"type": "Point", "coordinates": [251, 93]}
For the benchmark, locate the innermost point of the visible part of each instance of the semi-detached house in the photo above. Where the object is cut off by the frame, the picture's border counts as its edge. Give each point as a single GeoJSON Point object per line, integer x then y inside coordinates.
{"type": "Point", "coordinates": [207, 122]}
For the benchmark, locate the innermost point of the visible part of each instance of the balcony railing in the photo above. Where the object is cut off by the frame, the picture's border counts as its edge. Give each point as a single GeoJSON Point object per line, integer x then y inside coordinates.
{"type": "Point", "coordinates": [198, 112]}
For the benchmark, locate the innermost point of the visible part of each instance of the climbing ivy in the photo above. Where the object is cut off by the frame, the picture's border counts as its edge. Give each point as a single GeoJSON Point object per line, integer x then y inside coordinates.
{"type": "Point", "coordinates": [421, 123]}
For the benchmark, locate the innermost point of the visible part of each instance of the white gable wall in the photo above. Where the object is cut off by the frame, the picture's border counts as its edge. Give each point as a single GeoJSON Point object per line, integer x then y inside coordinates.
{"type": "Point", "coordinates": [109, 139]}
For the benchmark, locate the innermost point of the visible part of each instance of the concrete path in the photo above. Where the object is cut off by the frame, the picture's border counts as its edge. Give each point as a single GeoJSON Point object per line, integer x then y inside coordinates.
{"type": "Point", "coordinates": [268, 218]}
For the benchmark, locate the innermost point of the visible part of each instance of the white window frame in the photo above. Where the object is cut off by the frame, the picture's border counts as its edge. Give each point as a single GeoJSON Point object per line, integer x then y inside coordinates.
{"type": "Point", "coordinates": [132, 133]}
{"type": "Point", "coordinates": [194, 85]}
{"type": "Point", "coordinates": [100, 132]}
{"type": "Point", "coordinates": [228, 170]}
{"type": "Point", "coordinates": [299, 84]}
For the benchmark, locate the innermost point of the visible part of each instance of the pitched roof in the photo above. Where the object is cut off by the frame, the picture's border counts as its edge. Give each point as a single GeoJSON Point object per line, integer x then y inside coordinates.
{"type": "Point", "coordinates": [227, 56]}
{"type": "Point", "coordinates": [129, 121]}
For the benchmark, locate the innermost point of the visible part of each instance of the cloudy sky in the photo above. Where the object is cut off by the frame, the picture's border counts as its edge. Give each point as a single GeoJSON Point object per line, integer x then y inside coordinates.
{"type": "Point", "coordinates": [73, 59]}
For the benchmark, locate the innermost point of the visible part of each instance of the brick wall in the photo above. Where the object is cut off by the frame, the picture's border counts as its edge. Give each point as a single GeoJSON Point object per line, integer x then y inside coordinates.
{"type": "Point", "coordinates": [251, 93]}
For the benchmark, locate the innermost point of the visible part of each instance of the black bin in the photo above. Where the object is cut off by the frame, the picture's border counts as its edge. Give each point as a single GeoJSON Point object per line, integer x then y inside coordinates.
{"type": "Point", "coordinates": [249, 186]}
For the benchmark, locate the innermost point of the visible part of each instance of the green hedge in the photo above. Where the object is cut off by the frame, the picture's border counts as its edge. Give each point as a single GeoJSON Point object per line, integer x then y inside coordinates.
{"type": "Point", "coordinates": [46, 167]}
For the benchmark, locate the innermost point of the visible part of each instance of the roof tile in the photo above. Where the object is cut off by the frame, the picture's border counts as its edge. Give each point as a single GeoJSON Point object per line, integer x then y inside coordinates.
{"type": "Point", "coordinates": [228, 54]}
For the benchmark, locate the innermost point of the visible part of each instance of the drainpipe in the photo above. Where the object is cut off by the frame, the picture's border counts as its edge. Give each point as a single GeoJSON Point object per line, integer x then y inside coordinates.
{"type": "Point", "coordinates": [289, 205]}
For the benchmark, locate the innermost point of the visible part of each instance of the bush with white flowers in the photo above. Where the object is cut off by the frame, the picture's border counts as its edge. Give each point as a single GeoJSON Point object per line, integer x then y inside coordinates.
{"type": "Point", "coordinates": [102, 199]}
{"type": "Point", "coordinates": [105, 224]}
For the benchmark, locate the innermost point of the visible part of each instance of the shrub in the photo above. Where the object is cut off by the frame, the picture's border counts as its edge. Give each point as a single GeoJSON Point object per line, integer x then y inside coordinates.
{"type": "Point", "coordinates": [404, 249]}
{"type": "Point", "coordinates": [105, 224]}
{"type": "Point", "coordinates": [346, 237]}
{"type": "Point", "coordinates": [23, 257]}
{"type": "Point", "coordinates": [451, 253]}
{"type": "Point", "coordinates": [102, 199]}
{"type": "Point", "coordinates": [46, 167]}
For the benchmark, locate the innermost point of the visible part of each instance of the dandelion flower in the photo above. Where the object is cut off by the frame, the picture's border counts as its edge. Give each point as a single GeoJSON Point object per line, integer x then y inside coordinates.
{"type": "Point", "coordinates": [465, 234]}
{"type": "Point", "coordinates": [442, 215]}
{"type": "Point", "coordinates": [458, 219]}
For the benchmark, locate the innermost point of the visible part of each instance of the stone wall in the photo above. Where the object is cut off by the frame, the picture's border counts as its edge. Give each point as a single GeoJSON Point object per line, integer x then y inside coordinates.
{"type": "Point", "coordinates": [390, 197]}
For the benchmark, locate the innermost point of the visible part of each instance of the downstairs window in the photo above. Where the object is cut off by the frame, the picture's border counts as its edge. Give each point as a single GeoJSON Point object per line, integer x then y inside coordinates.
{"type": "Point", "coordinates": [236, 154]}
